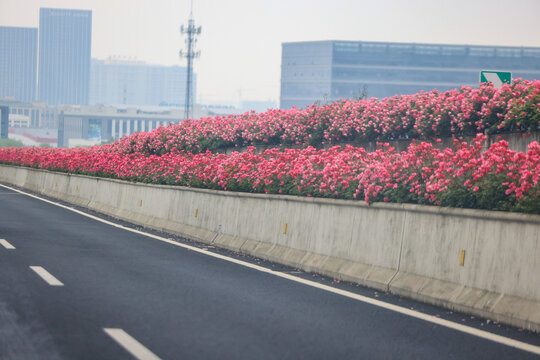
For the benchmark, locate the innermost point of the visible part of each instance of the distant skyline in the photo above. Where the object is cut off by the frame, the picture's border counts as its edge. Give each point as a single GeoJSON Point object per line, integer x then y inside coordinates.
{"type": "Point", "coordinates": [18, 66]}
{"type": "Point", "coordinates": [64, 56]}
{"type": "Point", "coordinates": [241, 39]}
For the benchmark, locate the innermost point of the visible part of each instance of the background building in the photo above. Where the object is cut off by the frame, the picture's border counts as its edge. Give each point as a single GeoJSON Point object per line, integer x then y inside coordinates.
{"type": "Point", "coordinates": [39, 115]}
{"type": "Point", "coordinates": [18, 63]}
{"type": "Point", "coordinates": [90, 125]}
{"type": "Point", "coordinates": [332, 70]}
{"type": "Point", "coordinates": [30, 122]}
{"type": "Point", "coordinates": [129, 82]}
{"type": "Point", "coordinates": [64, 56]}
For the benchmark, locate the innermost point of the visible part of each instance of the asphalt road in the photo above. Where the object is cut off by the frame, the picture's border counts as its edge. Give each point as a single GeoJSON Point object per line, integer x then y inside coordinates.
{"type": "Point", "coordinates": [166, 301]}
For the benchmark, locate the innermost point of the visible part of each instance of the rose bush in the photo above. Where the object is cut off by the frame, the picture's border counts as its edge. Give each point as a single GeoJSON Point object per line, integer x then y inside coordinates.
{"type": "Point", "coordinates": [424, 116]}
{"type": "Point", "coordinates": [462, 176]}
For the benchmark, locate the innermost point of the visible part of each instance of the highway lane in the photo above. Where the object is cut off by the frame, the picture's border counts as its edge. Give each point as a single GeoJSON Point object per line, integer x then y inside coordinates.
{"type": "Point", "coordinates": [180, 304]}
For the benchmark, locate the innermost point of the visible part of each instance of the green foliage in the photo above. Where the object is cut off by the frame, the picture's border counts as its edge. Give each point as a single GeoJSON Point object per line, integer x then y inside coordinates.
{"type": "Point", "coordinates": [10, 143]}
{"type": "Point", "coordinates": [490, 195]}
{"type": "Point", "coordinates": [400, 195]}
{"type": "Point", "coordinates": [458, 196]}
{"type": "Point", "coordinates": [529, 205]}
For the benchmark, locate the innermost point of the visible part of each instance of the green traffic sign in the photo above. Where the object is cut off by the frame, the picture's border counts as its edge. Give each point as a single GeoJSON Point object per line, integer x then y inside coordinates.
{"type": "Point", "coordinates": [497, 78]}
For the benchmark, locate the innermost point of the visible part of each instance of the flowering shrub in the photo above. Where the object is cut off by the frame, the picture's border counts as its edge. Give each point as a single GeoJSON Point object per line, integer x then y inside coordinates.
{"type": "Point", "coordinates": [426, 115]}
{"type": "Point", "coordinates": [462, 176]}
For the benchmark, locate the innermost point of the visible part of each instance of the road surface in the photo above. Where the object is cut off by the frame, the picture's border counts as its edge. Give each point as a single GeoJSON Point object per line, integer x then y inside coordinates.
{"type": "Point", "coordinates": [77, 287]}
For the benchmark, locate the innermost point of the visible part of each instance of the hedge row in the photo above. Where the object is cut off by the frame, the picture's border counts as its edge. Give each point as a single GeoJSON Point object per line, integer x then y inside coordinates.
{"type": "Point", "coordinates": [424, 116]}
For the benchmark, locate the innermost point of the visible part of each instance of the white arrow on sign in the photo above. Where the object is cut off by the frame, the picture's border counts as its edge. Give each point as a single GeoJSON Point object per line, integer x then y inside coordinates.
{"type": "Point", "coordinates": [494, 79]}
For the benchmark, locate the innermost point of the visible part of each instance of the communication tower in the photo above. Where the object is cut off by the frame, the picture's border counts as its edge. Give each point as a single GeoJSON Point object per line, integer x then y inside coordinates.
{"type": "Point", "coordinates": [191, 31]}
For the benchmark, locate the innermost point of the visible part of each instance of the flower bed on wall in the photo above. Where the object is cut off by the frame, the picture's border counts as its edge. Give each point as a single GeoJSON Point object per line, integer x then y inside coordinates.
{"type": "Point", "coordinates": [462, 176]}
{"type": "Point", "coordinates": [423, 116]}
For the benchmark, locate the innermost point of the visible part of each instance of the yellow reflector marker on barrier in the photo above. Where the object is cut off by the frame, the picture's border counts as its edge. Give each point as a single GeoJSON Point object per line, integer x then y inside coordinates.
{"type": "Point", "coordinates": [285, 228]}
{"type": "Point", "coordinates": [462, 258]}
{"type": "Point", "coordinates": [140, 202]}
{"type": "Point", "coordinates": [196, 212]}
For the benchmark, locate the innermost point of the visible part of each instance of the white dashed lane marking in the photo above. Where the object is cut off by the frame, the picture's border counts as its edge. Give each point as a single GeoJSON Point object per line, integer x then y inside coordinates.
{"type": "Point", "coordinates": [46, 276]}
{"type": "Point", "coordinates": [6, 244]}
{"type": "Point", "coordinates": [134, 347]}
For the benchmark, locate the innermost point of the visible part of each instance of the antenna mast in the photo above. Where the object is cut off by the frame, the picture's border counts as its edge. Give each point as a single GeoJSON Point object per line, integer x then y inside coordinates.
{"type": "Point", "coordinates": [191, 31]}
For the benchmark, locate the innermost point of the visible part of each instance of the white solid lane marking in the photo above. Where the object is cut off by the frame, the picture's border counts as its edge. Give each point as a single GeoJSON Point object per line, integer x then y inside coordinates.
{"type": "Point", "coordinates": [45, 275]}
{"type": "Point", "coordinates": [131, 345]}
{"type": "Point", "coordinates": [6, 244]}
{"type": "Point", "coordinates": [413, 313]}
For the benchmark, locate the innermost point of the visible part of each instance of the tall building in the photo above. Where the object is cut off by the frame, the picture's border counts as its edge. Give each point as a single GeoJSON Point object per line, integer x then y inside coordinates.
{"type": "Point", "coordinates": [18, 63]}
{"type": "Point", "coordinates": [129, 82]}
{"type": "Point", "coordinates": [64, 56]}
{"type": "Point", "coordinates": [332, 70]}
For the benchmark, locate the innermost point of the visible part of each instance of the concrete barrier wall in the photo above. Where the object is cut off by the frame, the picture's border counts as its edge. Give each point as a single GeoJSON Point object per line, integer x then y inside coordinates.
{"type": "Point", "coordinates": [410, 250]}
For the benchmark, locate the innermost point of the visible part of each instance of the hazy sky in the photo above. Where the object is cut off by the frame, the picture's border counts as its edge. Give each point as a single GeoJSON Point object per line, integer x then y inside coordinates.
{"type": "Point", "coordinates": [241, 39]}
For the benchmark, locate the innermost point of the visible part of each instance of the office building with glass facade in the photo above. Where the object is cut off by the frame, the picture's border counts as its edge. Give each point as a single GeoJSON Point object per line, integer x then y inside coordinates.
{"type": "Point", "coordinates": [64, 56]}
{"type": "Point", "coordinates": [18, 63]}
{"type": "Point", "coordinates": [322, 71]}
{"type": "Point", "coordinates": [128, 82]}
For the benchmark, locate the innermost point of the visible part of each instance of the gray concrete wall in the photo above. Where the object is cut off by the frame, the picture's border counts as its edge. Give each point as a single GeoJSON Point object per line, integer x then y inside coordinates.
{"type": "Point", "coordinates": [410, 250]}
